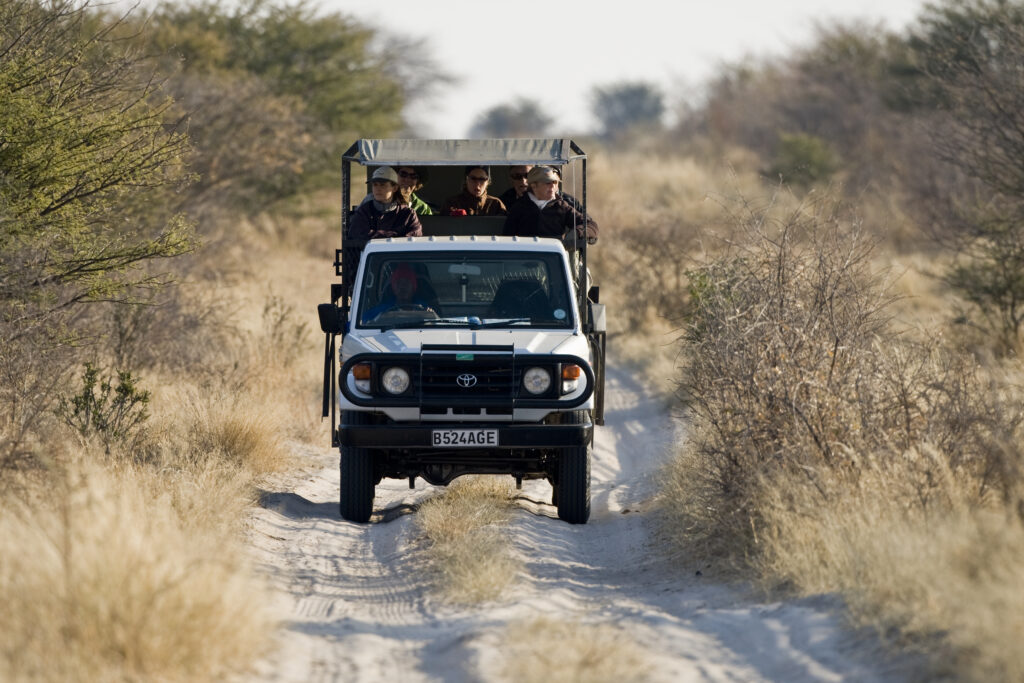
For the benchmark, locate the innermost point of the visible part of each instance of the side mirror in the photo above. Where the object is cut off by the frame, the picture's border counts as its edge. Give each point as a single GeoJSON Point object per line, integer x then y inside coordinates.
{"type": "Point", "coordinates": [594, 294]}
{"type": "Point", "coordinates": [330, 318]}
{"type": "Point", "coordinates": [597, 318]}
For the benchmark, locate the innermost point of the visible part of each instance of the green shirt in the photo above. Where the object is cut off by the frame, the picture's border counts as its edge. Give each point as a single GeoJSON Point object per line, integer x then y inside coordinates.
{"type": "Point", "coordinates": [419, 207]}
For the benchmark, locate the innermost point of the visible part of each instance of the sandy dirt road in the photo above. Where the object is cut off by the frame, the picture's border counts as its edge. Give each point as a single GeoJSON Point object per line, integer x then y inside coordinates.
{"type": "Point", "coordinates": [358, 607]}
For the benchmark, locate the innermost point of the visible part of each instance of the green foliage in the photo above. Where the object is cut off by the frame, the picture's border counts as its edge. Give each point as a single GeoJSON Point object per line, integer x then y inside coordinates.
{"type": "Point", "coordinates": [112, 412]}
{"type": "Point", "coordinates": [274, 91]}
{"type": "Point", "coordinates": [324, 61]}
{"type": "Point", "coordinates": [520, 119]}
{"type": "Point", "coordinates": [83, 135]}
{"type": "Point", "coordinates": [970, 53]}
{"type": "Point", "coordinates": [629, 105]}
{"type": "Point", "coordinates": [803, 160]}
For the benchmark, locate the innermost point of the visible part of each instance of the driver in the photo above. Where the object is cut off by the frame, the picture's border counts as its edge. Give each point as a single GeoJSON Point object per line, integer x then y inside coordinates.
{"type": "Point", "coordinates": [401, 294]}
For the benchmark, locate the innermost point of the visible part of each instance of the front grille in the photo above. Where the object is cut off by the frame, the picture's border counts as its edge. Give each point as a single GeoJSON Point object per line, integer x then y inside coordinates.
{"type": "Point", "coordinates": [487, 378]}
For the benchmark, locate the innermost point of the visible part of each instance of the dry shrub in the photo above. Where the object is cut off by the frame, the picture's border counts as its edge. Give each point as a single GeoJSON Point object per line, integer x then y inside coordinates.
{"type": "Point", "coordinates": [652, 230]}
{"type": "Point", "coordinates": [30, 376]}
{"type": "Point", "coordinates": [824, 444]}
{"type": "Point", "coordinates": [549, 651]}
{"type": "Point", "coordinates": [943, 577]}
{"type": "Point", "coordinates": [466, 545]}
{"type": "Point", "coordinates": [112, 575]}
{"type": "Point", "coordinates": [790, 365]}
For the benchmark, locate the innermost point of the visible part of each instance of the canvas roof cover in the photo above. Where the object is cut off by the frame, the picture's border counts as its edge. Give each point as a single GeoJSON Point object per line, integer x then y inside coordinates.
{"type": "Point", "coordinates": [494, 151]}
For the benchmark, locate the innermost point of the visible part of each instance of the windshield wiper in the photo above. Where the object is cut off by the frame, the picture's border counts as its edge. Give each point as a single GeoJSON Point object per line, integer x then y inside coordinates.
{"type": "Point", "coordinates": [504, 323]}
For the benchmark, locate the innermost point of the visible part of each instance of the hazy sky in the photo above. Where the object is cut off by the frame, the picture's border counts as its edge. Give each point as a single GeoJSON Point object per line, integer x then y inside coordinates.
{"type": "Point", "coordinates": [554, 52]}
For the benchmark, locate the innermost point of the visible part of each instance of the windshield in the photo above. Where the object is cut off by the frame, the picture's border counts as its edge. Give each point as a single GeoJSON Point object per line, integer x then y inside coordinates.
{"type": "Point", "coordinates": [465, 289]}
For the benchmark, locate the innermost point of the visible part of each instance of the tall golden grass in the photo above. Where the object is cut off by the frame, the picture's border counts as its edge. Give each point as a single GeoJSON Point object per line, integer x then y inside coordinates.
{"type": "Point", "coordinates": [130, 564]}
{"type": "Point", "coordinates": [834, 448]}
{"type": "Point", "coordinates": [119, 573]}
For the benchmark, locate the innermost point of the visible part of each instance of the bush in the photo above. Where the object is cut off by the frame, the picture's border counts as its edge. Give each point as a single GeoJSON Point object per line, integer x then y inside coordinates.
{"type": "Point", "coordinates": [112, 412]}
{"type": "Point", "coordinates": [802, 160]}
{"type": "Point", "coordinates": [792, 374]}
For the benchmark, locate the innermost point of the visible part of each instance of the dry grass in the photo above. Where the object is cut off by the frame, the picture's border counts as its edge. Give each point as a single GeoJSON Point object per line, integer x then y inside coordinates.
{"type": "Point", "coordinates": [128, 573]}
{"type": "Point", "coordinates": [232, 427]}
{"type": "Point", "coordinates": [129, 565]}
{"type": "Point", "coordinates": [549, 651]}
{"type": "Point", "coordinates": [944, 578]}
{"type": "Point", "coordinates": [466, 545]}
{"type": "Point", "coordinates": [652, 234]}
{"type": "Point", "coordinates": [830, 454]}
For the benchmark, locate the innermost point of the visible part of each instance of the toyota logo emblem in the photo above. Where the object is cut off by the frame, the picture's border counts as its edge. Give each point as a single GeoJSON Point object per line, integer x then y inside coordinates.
{"type": "Point", "coordinates": [466, 380]}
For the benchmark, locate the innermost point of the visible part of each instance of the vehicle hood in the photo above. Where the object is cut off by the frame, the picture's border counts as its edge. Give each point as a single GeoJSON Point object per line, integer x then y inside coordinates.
{"type": "Point", "coordinates": [524, 341]}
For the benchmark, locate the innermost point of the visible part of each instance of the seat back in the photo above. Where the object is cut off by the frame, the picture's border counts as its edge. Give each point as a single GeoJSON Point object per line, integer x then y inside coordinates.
{"type": "Point", "coordinates": [441, 226]}
{"type": "Point", "coordinates": [521, 298]}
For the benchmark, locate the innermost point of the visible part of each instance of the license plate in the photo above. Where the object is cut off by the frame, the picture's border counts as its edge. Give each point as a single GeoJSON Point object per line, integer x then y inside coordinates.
{"type": "Point", "coordinates": [464, 438]}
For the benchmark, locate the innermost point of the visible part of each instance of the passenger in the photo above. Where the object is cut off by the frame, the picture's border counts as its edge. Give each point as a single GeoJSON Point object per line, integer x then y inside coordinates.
{"type": "Point", "coordinates": [474, 200]}
{"type": "Point", "coordinates": [517, 176]}
{"type": "Point", "coordinates": [401, 293]}
{"type": "Point", "coordinates": [410, 181]}
{"type": "Point", "coordinates": [543, 213]}
{"type": "Point", "coordinates": [383, 216]}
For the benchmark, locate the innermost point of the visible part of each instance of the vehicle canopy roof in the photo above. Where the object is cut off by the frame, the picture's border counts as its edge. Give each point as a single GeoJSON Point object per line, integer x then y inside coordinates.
{"type": "Point", "coordinates": [467, 243]}
{"type": "Point", "coordinates": [492, 151]}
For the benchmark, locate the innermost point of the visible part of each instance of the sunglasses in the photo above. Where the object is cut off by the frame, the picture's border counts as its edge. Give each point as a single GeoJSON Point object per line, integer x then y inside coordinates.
{"type": "Point", "coordinates": [406, 174]}
{"type": "Point", "coordinates": [478, 179]}
{"type": "Point", "coordinates": [517, 176]}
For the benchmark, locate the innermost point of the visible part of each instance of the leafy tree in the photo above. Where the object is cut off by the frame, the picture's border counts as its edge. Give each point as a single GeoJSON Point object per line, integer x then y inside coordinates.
{"type": "Point", "coordinates": [623, 106]}
{"type": "Point", "coordinates": [522, 118]}
{"type": "Point", "coordinates": [83, 134]}
{"type": "Point", "coordinates": [971, 54]}
{"type": "Point", "coordinates": [273, 92]}
{"type": "Point", "coordinates": [803, 160]}
{"type": "Point", "coordinates": [88, 162]}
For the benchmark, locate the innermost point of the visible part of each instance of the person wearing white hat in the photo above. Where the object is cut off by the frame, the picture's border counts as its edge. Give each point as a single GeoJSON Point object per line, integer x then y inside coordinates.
{"type": "Point", "coordinates": [542, 212]}
{"type": "Point", "coordinates": [383, 216]}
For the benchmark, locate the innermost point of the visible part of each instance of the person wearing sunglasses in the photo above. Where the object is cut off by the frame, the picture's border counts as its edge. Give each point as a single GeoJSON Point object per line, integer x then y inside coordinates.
{"type": "Point", "coordinates": [516, 176]}
{"type": "Point", "coordinates": [474, 200]}
{"type": "Point", "coordinates": [544, 212]}
{"type": "Point", "coordinates": [411, 181]}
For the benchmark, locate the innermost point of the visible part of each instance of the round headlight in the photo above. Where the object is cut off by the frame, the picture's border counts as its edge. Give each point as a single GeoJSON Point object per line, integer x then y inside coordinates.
{"type": "Point", "coordinates": [395, 380]}
{"type": "Point", "coordinates": [536, 380]}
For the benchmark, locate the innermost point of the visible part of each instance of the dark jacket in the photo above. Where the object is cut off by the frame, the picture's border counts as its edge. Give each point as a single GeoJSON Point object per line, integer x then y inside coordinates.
{"type": "Point", "coordinates": [509, 197]}
{"type": "Point", "coordinates": [473, 205]}
{"type": "Point", "coordinates": [556, 219]}
{"type": "Point", "coordinates": [368, 222]}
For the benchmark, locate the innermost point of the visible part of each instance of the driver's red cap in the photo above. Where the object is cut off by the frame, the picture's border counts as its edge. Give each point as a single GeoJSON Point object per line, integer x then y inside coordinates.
{"type": "Point", "coordinates": [404, 272]}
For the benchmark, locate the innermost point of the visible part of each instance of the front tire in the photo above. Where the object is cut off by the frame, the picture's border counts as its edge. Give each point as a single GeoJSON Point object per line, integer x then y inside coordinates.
{"type": "Point", "coordinates": [357, 475]}
{"type": "Point", "coordinates": [571, 493]}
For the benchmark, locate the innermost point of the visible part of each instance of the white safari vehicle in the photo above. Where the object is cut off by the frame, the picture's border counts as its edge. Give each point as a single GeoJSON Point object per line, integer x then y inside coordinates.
{"type": "Point", "coordinates": [496, 366]}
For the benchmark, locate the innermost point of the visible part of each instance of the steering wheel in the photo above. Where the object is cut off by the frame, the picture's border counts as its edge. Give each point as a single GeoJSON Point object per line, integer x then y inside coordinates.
{"type": "Point", "coordinates": [396, 313]}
